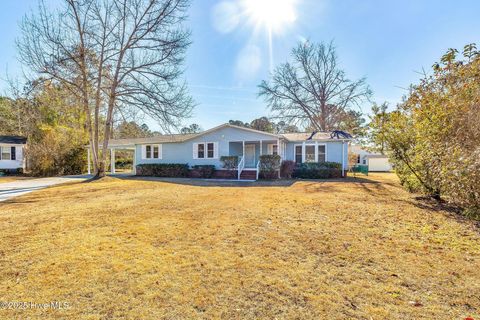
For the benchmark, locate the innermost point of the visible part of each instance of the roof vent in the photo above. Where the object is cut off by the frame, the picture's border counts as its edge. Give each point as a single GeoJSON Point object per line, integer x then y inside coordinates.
{"type": "Point", "coordinates": [339, 134]}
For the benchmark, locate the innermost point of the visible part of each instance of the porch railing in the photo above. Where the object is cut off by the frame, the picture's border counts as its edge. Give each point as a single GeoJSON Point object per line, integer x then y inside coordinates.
{"type": "Point", "coordinates": [258, 169]}
{"type": "Point", "coordinates": [241, 166]}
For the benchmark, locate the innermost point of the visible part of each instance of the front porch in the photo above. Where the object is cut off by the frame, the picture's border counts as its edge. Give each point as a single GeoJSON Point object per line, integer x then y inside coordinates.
{"type": "Point", "coordinates": [249, 152]}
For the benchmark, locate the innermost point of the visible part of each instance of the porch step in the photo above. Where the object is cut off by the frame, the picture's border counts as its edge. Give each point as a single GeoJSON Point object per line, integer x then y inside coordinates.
{"type": "Point", "coordinates": [248, 175]}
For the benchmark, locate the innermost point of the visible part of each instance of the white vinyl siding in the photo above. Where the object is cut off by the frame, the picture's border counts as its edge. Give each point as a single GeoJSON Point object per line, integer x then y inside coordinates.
{"type": "Point", "coordinates": [152, 151]}
{"type": "Point", "coordinates": [205, 150]}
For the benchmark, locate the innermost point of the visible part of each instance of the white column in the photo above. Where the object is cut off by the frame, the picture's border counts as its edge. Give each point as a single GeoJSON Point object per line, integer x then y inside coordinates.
{"type": "Point", "coordinates": [135, 161]}
{"type": "Point", "coordinates": [278, 152]}
{"type": "Point", "coordinates": [343, 158]}
{"type": "Point", "coordinates": [112, 161]}
{"type": "Point", "coordinates": [316, 151]}
{"type": "Point", "coordinates": [303, 151]}
{"type": "Point", "coordinates": [88, 159]}
{"type": "Point", "coordinates": [261, 147]}
{"type": "Point", "coordinates": [243, 149]}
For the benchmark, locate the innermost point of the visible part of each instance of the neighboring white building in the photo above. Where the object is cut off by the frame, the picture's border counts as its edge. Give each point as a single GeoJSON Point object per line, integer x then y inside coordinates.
{"type": "Point", "coordinates": [376, 162]}
{"type": "Point", "coordinates": [12, 153]}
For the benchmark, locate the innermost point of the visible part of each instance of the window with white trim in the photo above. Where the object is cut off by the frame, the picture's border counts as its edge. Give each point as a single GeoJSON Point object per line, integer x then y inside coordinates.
{"type": "Point", "coordinates": [206, 150]}
{"type": "Point", "coordinates": [298, 154]}
{"type": "Point", "coordinates": [5, 153]}
{"type": "Point", "coordinates": [309, 153]}
{"type": "Point", "coordinates": [210, 150]}
{"type": "Point", "coordinates": [322, 154]}
{"type": "Point", "coordinates": [152, 151]}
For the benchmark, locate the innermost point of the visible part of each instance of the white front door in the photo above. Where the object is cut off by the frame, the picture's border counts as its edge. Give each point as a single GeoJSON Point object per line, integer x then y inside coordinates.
{"type": "Point", "coordinates": [250, 156]}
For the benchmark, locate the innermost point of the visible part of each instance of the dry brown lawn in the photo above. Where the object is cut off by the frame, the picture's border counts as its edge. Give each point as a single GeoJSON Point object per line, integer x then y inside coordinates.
{"type": "Point", "coordinates": [131, 249]}
{"type": "Point", "coordinates": [4, 179]}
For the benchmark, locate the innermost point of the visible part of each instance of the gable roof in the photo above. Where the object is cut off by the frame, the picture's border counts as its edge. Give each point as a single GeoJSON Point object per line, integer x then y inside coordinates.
{"type": "Point", "coordinates": [13, 139]}
{"type": "Point", "coordinates": [172, 138]}
{"type": "Point", "coordinates": [165, 138]}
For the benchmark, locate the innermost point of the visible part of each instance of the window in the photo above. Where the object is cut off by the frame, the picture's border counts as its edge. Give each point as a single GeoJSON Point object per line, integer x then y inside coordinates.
{"type": "Point", "coordinates": [13, 154]}
{"type": "Point", "coordinates": [309, 153]}
{"type": "Point", "coordinates": [152, 151]}
{"type": "Point", "coordinates": [272, 149]}
{"type": "Point", "coordinates": [148, 151]}
{"type": "Point", "coordinates": [298, 154]}
{"type": "Point", "coordinates": [321, 154]}
{"type": "Point", "coordinates": [207, 150]}
{"type": "Point", "coordinates": [201, 151]}
{"type": "Point", "coordinates": [358, 158]}
{"type": "Point", "coordinates": [210, 150]}
{"type": "Point", "coordinates": [5, 153]}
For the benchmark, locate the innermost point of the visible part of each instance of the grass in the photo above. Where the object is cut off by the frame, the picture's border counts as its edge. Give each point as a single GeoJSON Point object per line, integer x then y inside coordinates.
{"type": "Point", "coordinates": [4, 179]}
{"type": "Point", "coordinates": [125, 249]}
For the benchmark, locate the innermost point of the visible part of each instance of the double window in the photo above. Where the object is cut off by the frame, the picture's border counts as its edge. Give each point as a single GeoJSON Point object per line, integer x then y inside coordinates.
{"type": "Point", "coordinates": [7, 153]}
{"type": "Point", "coordinates": [311, 153]}
{"type": "Point", "coordinates": [207, 150]}
{"type": "Point", "coordinates": [152, 151]}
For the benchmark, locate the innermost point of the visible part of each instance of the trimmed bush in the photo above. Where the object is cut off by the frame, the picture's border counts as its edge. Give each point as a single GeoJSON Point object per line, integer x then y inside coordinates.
{"type": "Point", "coordinates": [167, 170]}
{"type": "Point", "coordinates": [202, 171]}
{"type": "Point", "coordinates": [316, 170]}
{"type": "Point", "coordinates": [269, 166]}
{"type": "Point", "coordinates": [229, 162]}
{"type": "Point", "coordinates": [287, 168]}
{"type": "Point", "coordinates": [123, 163]}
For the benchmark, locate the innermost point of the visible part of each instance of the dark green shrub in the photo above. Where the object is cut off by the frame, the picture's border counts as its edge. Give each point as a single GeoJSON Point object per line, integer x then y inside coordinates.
{"type": "Point", "coordinates": [316, 170]}
{"type": "Point", "coordinates": [203, 171]}
{"type": "Point", "coordinates": [269, 166]}
{"type": "Point", "coordinates": [287, 168]}
{"type": "Point", "coordinates": [229, 162]}
{"type": "Point", "coordinates": [168, 170]}
{"type": "Point", "coordinates": [123, 163]}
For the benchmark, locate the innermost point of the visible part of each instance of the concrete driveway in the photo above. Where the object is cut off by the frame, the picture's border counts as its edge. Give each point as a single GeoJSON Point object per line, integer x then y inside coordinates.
{"type": "Point", "coordinates": [13, 189]}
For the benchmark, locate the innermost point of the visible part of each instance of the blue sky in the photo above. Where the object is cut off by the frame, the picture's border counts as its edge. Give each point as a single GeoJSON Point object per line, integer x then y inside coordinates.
{"type": "Point", "coordinates": [388, 42]}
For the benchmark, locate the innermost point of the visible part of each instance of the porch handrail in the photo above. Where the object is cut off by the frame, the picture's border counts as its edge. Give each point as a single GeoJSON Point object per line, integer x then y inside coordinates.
{"type": "Point", "coordinates": [241, 166]}
{"type": "Point", "coordinates": [258, 169]}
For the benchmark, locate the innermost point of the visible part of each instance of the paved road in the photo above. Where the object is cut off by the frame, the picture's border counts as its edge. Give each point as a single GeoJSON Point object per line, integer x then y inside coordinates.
{"type": "Point", "coordinates": [13, 189]}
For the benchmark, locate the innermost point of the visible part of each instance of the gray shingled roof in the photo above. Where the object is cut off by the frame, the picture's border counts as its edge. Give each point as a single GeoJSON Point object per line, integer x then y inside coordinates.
{"type": "Point", "coordinates": [301, 136]}
{"type": "Point", "coordinates": [13, 139]}
{"type": "Point", "coordinates": [298, 136]}
{"type": "Point", "coordinates": [157, 139]}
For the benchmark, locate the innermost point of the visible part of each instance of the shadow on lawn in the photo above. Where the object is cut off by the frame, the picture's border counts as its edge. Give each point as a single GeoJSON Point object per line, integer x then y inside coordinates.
{"type": "Point", "coordinates": [317, 183]}
{"type": "Point", "coordinates": [214, 182]}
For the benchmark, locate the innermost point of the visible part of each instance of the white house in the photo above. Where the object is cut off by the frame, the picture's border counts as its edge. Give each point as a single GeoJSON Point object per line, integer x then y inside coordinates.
{"type": "Point", "coordinates": [376, 162]}
{"type": "Point", "coordinates": [12, 151]}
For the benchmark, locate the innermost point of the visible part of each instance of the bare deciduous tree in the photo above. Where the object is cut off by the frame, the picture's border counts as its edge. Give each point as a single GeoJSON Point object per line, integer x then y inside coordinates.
{"type": "Point", "coordinates": [113, 54]}
{"type": "Point", "coordinates": [312, 90]}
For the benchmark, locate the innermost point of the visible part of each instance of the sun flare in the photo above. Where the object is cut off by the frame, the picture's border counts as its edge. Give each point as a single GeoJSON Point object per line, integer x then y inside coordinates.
{"type": "Point", "coordinates": [274, 15]}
